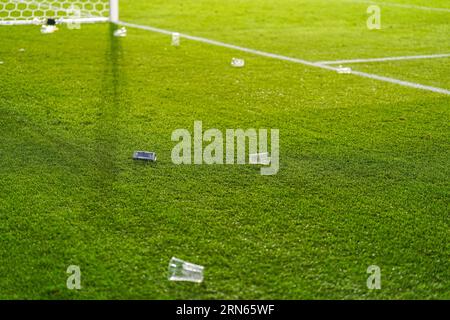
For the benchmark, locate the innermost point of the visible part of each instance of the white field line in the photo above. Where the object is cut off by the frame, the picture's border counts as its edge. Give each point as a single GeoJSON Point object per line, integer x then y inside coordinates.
{"type": "Point", "coordinates": [285, 58]}
{"type": "Point", "coordinates": [430, 56]}
{"type": "Point", "coordinates": [401, 82]}
{"type": "Point", "coordinates": [400, 5]}
{"type": "Point", "coordinates": [230, 46]}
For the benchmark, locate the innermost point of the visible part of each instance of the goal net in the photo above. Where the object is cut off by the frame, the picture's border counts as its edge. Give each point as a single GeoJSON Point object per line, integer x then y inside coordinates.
{"type": "Point", "coordinates": [16, 12]}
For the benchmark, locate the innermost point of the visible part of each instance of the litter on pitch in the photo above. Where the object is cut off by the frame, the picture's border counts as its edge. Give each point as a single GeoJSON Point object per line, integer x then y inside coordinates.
{"type": "Point", "coordinates": [237, 63]}
{"type": "Point", "coordinates": [46, 29]}
{"type": "Point", "coordinates": [175, 39]}
{"type": "Point", "coordinates": [21, 50]}
{"type": "Point", "coordinates": [259, 158]}
{"type": "Point", "coordinates": [344, 70]}
{"type": "Point", "coordinates": [145, 156]}
{"type": "Point", "coordinates": [180, 270]}
{"type": "Point", "coordinates": [121, 33]}
{"type": "Point", "coordinates": [49, 26]}
{"type": "Point", "coordinates": [1, 62]}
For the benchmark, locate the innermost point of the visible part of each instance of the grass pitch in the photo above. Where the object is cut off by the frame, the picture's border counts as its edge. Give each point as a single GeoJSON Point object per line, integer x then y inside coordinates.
{"type": "Point", "coordinates": [364, 165]}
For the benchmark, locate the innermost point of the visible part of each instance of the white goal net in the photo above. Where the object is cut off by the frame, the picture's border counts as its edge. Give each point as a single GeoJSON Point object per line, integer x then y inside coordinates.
{"type": "Point", "coordinates": [62, 11]}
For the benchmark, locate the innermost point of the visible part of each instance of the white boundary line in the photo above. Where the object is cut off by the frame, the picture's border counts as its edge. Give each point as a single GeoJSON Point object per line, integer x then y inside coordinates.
{"type": "Point", "coordinates": [430, 56]}
{"type": "Point", "coordinates": [229, 46]}
{"type": "Point", "coordinates": [58, 21]}
{"type": "Point", "coordinates": [401, 82]}
{"type": "Point", "coordinates": [400, 5]}
{"type": "Point", "coordinates": [285, 58]}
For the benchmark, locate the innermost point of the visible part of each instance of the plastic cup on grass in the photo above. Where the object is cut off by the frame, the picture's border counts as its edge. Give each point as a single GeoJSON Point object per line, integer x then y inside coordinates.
{"type": "Point", "coordinates": [180, 270]}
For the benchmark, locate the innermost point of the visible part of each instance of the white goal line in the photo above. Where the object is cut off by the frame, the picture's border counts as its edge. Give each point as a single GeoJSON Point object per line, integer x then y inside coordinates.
{"type": "Point", "coordinates": [58, 21]}
{"type": "Point", "coordinates": [429, 56]}
{"type": "Point", "coordinates": [290, 59]}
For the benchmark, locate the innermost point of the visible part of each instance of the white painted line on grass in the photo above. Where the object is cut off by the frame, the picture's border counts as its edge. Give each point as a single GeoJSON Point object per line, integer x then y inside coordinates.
{"type": "Point", "coordinates": [285, 58]}
{"type": "Point", "coordinates": [430, 56]}
{"type": "Point", "coordinates": [230, 46]}
{"type": "Point", "coordinates": [401, 82]}
{"type": "Point", "coordinates": [400, 5]}
{"type": "Point", "coordinates": [138, 26]}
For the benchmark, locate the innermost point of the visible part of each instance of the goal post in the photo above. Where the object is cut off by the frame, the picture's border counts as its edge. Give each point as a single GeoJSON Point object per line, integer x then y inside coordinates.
{"type": "Point", "coordinates": [25, 12]}
{"type": "Point", "coordinates": [114, 11]}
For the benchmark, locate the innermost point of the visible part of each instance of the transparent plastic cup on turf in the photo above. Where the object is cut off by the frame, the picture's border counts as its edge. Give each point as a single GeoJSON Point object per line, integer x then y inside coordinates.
{"type": "Point", "coordinates": [46, 29]}
{"type": "Point", "coordinates": [175, 39]}
{"type": "Point", "coordinates": [121, 33]}
{"type": "Point", "coordinates": [237, 63]}
{"type": "Point", "coordinates": [344, 70]}
{"type": "Point", "coordinates": [180, 270]}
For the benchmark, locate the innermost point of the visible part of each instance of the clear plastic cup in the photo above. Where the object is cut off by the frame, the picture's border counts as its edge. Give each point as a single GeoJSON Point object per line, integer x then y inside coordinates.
{"type": "Point", "coordinates": [237, 63]}
{"type": "Point", "coordinates": [180, 270]}
{"type": "Point", "coordinates": [175, 39]}
{"type": "Point", "coordinates": [344, 70]}
{"type": "Point", "coordinates": [121, 33]}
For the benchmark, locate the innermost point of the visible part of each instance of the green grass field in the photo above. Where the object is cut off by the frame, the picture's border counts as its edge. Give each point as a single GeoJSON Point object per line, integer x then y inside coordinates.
{"type": "Point", "coordinates": [364, 165]}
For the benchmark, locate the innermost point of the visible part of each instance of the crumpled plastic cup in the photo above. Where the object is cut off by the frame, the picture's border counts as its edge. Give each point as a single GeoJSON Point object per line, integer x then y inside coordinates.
{"type": "Point", "coordinates": [122, 32]}
{"type": "Point", "coordinates": [237, 63]}
{"type": "Point", "coordinates": [180, 270]}
{"type": "Point", "coordinates": [344, 70]}
{"type": "Point", "coordinates": [175, 39]}
{"type": "Point", "coordinates": [46, 29]}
